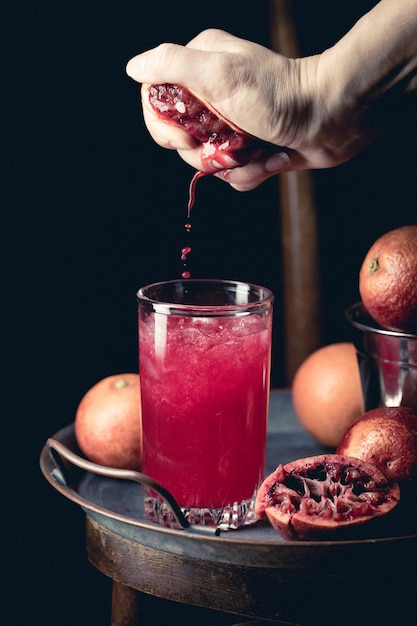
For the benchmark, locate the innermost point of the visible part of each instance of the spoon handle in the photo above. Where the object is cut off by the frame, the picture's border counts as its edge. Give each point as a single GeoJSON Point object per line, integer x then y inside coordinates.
{"type": "Point", "coordinates": [58, 451]}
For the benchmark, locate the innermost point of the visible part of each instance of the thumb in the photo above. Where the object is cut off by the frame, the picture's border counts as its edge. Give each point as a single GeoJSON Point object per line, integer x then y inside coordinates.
{"type": "Point", "coordinates": [169, 63]}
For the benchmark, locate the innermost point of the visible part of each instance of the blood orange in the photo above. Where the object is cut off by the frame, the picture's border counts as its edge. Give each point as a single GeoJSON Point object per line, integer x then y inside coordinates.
{"type": "Point", "coordinates": [388, 279]}
{"type": "Point", "coordinates": [108, 425]}
{"type": "Point", "coordinates": [222, 141]}
{"type": "Point", "coordinates": [327, 392]}
{"type": "Point", "coordinates": [324, 497]}
{"type": "Point", "coordinates": [386, 437]}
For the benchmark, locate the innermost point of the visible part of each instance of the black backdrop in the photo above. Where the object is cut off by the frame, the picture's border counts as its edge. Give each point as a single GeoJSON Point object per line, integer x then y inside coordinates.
{"type": "Point", "coordinates": [92, 209]}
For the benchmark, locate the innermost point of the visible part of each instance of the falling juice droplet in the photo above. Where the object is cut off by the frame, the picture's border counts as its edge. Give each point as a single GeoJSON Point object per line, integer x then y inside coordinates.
{"type": "Point", "coordinates": [184, 253]}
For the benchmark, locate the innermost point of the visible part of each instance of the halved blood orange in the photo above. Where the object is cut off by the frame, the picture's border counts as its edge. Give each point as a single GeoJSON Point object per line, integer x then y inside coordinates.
{"type": "Point", "coordinates": [324, 497]}
{"type": "Point", "coordinates": [222, 141]}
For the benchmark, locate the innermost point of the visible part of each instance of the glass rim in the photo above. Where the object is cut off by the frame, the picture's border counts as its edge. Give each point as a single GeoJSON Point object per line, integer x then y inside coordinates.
{"type": "Point", "coordinates": [357, 315]}
{"type": "Point", "coordinates": [165, 306]}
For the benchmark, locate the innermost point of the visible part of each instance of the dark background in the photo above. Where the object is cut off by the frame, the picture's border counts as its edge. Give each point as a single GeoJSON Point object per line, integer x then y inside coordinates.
{"type": "Point", "coordinates": [92, 209]}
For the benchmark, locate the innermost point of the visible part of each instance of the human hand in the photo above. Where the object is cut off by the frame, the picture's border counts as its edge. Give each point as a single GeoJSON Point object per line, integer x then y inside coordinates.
{"type": "Point", "coordinates": [279, 100]}
{"type": "Point", "coordinates": [230, 73]}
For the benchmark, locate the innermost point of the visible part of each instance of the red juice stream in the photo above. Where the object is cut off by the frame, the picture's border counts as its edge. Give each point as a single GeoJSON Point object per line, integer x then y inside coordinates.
{"type": "Point", "coordinates": [185, 251]}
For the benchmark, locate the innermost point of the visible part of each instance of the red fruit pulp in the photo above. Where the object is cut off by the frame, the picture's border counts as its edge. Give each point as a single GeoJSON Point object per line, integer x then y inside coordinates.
{"type": "Point", "coordinates": [324, 496]}
{"type": "Point", "coordinates": [221, 141]}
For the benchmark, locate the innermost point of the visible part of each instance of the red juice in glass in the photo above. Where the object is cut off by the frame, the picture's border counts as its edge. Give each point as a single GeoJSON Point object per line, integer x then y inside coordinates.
{"type": "Point", "coordinates": [204, 363]}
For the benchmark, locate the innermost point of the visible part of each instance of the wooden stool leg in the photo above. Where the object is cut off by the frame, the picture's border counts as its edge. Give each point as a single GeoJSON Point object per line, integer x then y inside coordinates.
{"type": "Point", "coordinates": [299, 229]}
{"type": "Point", "coordinates": [124, 605]}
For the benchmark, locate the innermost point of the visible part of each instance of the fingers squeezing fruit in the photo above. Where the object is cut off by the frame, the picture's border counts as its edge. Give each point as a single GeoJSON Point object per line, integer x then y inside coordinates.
{"type": "Point", "coordinates": [224, 145]}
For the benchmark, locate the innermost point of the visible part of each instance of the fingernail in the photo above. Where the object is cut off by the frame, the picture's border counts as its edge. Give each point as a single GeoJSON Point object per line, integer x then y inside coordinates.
{"type": "Point", "coordinates": [176, 145]}
{"type": "Point", "coordinates": [277, 162]}
{"type": "Point", "coordinates": [131, 67]}
{"type": "Point", "coordinates": [215, 165]}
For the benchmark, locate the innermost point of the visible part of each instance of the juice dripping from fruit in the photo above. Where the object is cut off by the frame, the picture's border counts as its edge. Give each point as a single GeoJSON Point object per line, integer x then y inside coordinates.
{"type": "Point", "coordinates": [191, 199]}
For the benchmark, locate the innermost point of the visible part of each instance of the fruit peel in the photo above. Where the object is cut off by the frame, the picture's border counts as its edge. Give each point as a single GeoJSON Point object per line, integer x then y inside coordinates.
{"type": "Point", "coordinates": [108, 422]}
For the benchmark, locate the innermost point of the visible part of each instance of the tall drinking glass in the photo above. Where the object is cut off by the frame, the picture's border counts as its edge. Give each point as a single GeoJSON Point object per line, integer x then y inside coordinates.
{"type": "Point", "coordinates": [204, 363]}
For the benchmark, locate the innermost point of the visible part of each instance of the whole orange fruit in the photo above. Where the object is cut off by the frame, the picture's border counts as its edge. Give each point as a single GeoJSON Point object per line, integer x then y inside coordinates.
{"type": "Point", "coordinates": [108, 424]}
{"type": "Point", "coordinates": [385, 437]}
{"type": "Point", "coordinates": [327, 393]}
{"type": "Point", "coordinates": [388, 279]}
